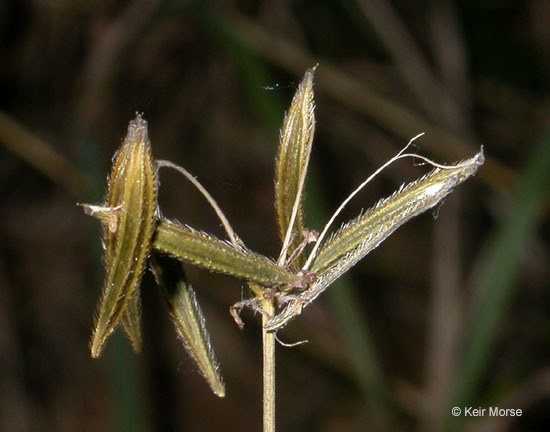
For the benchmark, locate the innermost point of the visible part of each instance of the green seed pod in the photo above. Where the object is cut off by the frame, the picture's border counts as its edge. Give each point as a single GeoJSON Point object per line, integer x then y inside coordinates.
{"type": "Point", "coordinates": [187, 317]}
{"type": "Point", "coordinates": [292, 162]}
{"type": "Point", "coordinates": [128, 217]}
{"type": "Point", "coordinates": [204, 250]}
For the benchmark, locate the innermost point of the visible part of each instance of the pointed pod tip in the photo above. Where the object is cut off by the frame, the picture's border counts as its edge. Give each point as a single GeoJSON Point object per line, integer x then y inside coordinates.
{"type": "Point", "coordinates": [138, 121]}
{"type": "Point", "coordinates": [479, 159]}
{"type": "Point", "coordinates": [98, 341]}
{"type": "Point", "coordinates": [135, 340]}
{"type": "Point", "coordinates": [308, 76]}
{"type": "Point", "coordinates": [96, 347]}
{"type": "Point", "coordinates": [220, 392]}
{"type": "Point", "coordinates": [137, 129]}
{"type": "Point", "coordinates": [469, 167]}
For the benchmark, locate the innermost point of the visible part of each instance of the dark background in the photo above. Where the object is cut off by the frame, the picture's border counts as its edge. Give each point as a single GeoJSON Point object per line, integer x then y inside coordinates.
{"type": "Point", "coordinates": [447, 312]}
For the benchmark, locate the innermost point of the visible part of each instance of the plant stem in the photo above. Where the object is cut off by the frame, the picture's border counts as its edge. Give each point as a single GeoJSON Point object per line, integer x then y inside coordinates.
{"type": "Point", "coordinates": [268, 339]}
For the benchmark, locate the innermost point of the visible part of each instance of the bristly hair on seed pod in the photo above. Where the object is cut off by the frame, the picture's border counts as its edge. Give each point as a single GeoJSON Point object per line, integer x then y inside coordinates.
{"type": "Point", "coordinates": [291, 167]}
{"type": "Point", "coordinates": [201, 249]}
{"type": "Point", "coordinates": [128, 217]}
{"type": "Point", "coordinates": [187, 317]}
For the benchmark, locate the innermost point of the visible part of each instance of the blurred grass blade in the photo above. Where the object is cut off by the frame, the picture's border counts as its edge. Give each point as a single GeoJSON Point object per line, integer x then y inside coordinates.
{"type": "Point", "coordinates": [131, 205]}
{"type": "Point", "coordinates": [208, 252]}
{"type": "Point", "coordinates": [188, 318]}
{"type": "Point", "coordinates": [131, 322]}
{"type": "Point", "coordinates": [369, 377]}
{"type": "Point", "coordinates": [292, 161]}
{"type": "Point", "coordinates": [360, 236]}
{"type": "Point", "coordinates": [495, 282]}
{"type": "Point", "coordinates": [41, 155]}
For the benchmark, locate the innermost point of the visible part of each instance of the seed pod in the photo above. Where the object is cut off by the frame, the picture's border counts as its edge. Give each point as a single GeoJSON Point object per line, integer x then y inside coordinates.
{"type": "Point", "coordinates": [187, 317]}
{"type": "Point", "coordinates": [361, 235]}
{"type": "Point", "coordinates": [292, 162]}
{"type": "Point", "coordinates": [128, 217]}
{"type": "Point", "coordinates": [204, 250]}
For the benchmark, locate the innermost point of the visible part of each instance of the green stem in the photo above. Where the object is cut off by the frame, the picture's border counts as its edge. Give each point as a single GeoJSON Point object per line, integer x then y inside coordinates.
{"type": "Point", "coordinates": [268, 339]}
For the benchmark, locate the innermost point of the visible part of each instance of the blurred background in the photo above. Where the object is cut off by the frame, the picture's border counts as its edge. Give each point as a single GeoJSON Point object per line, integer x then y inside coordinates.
{"type": "Point", "coordinates": [451, 311]}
